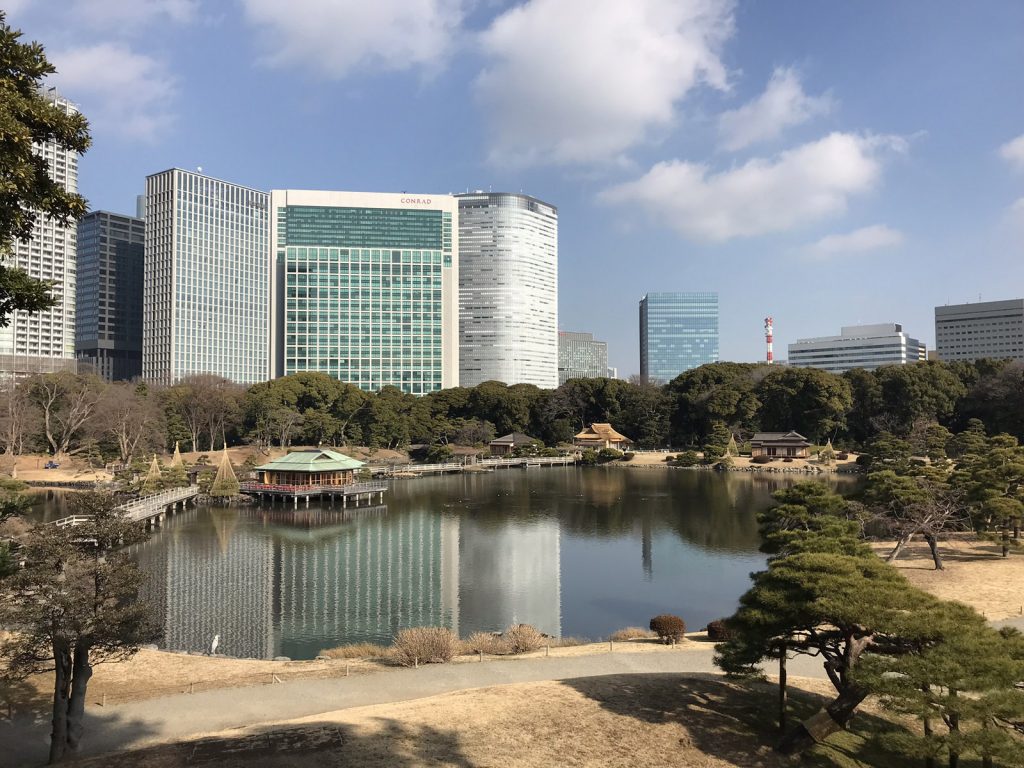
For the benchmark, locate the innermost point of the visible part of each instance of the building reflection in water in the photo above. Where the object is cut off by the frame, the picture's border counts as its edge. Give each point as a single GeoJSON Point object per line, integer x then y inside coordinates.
{"type": "Point", "coordinates": [292, 583]}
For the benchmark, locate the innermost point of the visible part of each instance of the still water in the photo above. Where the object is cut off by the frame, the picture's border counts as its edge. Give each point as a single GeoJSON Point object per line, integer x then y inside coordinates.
{"type": "Point", "coordinates": [573, 551]}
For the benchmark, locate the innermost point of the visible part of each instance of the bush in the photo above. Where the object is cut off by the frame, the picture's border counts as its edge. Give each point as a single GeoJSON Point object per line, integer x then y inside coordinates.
{"type": "Point", "coordinates": [425, 645]}
{"type": "Point", "coordinates": [631, 633]}
{"type": "Point", "coordinates": [628, 456]}
{"type": "Point", "coordinates": [608, 454]}
{"type": "Point", "coordinates": [718, 631]}
{"type": "Point", "coordinates": [670, 458]}
{"type": "Point", "coordinates": [762, 459]}
{"type": "Point", "coordinates": [668, 628]}
{"type": "Point", "coordinates": [588, 456]}
{"type": "Point", "coordinates": [486, 642]}
{"type": "Point", "coordinates": [688, 459]}
{"type": "Point", "coordinates": [523, 638]}
{"type": "Point", "coordinates": [842, 456]}
{"type": "Point", "coordinates": [788, 460]}
{"type": "Point", "coordinates": [567, 642]}
{"type": "Point", "coordinates": [864, 460]}
{"type": "Point", "coordinates": [438, 454]}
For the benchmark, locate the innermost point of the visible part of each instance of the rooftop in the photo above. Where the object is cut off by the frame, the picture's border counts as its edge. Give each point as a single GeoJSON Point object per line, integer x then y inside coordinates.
{"type": "Point", "coordinates": [319, 460]}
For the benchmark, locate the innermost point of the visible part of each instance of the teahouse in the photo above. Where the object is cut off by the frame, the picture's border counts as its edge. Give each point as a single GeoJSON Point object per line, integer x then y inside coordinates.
{"type": "Point", "coordinates": [504, 446]}
{"type": "Point", "coordinates": [319, 467]}
{"type": "Point", "coordinates": [598, 436]}
{"type": "Point", "coordinates": [790, 445]}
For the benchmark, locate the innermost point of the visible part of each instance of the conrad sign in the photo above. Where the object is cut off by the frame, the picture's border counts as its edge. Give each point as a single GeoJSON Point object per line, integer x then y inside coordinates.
{"type": "Point", "coordinates": [416, 201]}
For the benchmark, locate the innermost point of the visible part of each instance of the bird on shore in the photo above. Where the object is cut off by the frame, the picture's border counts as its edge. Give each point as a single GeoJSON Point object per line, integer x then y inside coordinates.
{"type": "Point", "coordinates": [215, 644]}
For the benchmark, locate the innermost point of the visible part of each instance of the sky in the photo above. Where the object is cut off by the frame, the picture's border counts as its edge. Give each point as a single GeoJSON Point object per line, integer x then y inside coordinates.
{"type": "Point", "coordinates": [825, 163]}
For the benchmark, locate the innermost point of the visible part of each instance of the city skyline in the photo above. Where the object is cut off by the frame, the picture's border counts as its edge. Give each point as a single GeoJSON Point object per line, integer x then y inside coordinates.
{"type": "Point", "coordinates": [888, 140]}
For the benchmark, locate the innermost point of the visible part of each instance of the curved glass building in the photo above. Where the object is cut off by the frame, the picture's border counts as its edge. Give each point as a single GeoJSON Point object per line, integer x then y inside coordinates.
{"type": "Point", "coordinates": [508, 290]}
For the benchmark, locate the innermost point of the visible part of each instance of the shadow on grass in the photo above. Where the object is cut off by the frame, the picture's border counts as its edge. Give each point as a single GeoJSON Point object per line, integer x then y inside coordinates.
{"type": "Point", "coordinates": [735, 721]}
{"type": "Point", "coordinates": [394, 744]}
{"type": "Point", "coordinates": [25, 739]}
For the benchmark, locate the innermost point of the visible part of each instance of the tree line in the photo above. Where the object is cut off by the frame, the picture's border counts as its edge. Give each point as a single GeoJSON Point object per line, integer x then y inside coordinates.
{"type": "Point", "coordinates": [63, 413]}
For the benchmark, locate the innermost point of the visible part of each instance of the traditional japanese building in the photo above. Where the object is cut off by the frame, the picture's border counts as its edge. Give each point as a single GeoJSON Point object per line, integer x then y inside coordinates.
{"type": "Point", "coordinates": [504, 446]}
{"type": "Point", "coordinates": [598, 436]}
{"type": "Point", "coordinates": [319, 467]}
{"type": "Point", "coordinates": [790, 445]}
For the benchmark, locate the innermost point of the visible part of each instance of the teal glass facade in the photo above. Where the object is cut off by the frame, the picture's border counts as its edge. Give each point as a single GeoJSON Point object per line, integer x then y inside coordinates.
{"type": "Point", "coordinates": [361, 293]}
{"type": "Point", "coordinates": [678, 331]}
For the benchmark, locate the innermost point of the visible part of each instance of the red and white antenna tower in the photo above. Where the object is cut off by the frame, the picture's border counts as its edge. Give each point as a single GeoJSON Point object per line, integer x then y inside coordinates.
{"type": "Point", "coordinates": [768, 338]}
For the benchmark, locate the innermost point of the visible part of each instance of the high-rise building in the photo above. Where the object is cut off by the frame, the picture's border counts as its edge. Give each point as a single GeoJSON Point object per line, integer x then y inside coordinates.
{"type": "Point", "coordinates": [857, 346]}
{"type": "Point", "coordinates": [508, 290]}
{"type": "Point", "coordinates": [366, 287]}
{"type": "Point", "coordinates": [44, 342]}
{"type": "Point", "coordinates": [992, 329]}
{"type": "Point", "coordinates": [580, 357]}
{"type": "Point", "coordinates": [206, 295]}
{"type": "Point", "coordinates": [678, 331]}
{"type": "Point", "coordinates": [108, 323]}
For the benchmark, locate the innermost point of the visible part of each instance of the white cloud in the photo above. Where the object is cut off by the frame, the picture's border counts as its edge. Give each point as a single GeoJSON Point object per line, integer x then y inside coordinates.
{"type": "Point", "coordinates": [782, 105]}
{"type": "Point", "coordinates": [1013, 151]}
{"type": "Point", "coordinates": [582, 81]}
{"type": "Point", "coordinates": [335, 37]}
{"type": "Point", "coordinates": [873, 238]}
{"type": "Point", "coordinates": [798, 186]}
{"type": "Point", "coordinates": [119, 90]}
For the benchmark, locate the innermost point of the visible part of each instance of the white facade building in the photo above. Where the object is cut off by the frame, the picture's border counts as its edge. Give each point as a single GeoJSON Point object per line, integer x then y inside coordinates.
{"type": "Point", "coordinates": [508, 290]}
{"type": "Point", "coordinates": [988, 329]}
{"type": "Point", "coordinates": [857, 346]}
{"type": "Point", "coordinates": [581, 357]}
{"type": "Point", "coordinates": [44, 342]}
{"type": "Point", "coordinates": [366, 287]}
{"type": "Point", "coordinates": [206, 305]}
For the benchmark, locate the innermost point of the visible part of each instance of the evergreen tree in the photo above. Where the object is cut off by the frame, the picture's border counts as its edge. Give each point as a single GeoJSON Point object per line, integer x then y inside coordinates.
{"type": "Point", "coordinates": [75, 604]}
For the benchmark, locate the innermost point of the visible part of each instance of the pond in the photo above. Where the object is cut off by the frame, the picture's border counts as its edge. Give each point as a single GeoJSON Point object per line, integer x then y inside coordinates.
{"type": "Point", "coordinates": [573, 551]}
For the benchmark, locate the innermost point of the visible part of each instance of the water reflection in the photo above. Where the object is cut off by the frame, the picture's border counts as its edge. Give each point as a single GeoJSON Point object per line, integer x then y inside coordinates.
{"type": "Point", "coordinates": [568, 550]}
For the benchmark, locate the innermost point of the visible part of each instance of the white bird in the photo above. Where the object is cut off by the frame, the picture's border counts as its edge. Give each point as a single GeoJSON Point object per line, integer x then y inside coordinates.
{"type": "Point", "coordinates": [214, 644]}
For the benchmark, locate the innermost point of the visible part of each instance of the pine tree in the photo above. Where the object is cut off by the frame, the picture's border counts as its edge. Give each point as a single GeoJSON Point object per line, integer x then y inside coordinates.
{"type": "Point", "coordinates": [225, 484]}
{"type": "Point", "coordinates": [75, 604]}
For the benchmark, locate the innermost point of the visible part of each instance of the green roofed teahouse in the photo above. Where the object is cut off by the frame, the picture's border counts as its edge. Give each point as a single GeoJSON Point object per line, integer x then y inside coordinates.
{"type": "Point", "coordinates": [314, 467]}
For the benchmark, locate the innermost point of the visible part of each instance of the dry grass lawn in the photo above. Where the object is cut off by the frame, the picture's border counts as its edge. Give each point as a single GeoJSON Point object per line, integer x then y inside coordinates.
{"type": "Point", "coordinates": [620, 721]}
{"type": "Point", "coordinates": [975, 573]}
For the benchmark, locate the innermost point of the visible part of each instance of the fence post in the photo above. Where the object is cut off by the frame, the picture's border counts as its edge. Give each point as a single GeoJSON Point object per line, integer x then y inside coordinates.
{"type": "Point", "coordinates": [104, 704]}
{"type": "Point", "coordinates": [346, 670]}
{"type": "Point", "coordinates": [416, 662]}
{"type": "Point", "coordinates": [481, 656]}
{"type": "Point", "coordinates": [547, 650]}
{"type": "Point", "coordinates": [191, 687]}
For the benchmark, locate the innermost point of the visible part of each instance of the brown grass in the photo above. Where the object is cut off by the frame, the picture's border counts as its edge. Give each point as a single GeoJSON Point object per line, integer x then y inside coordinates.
{"type": "Point", "coordinates": [425, 645]}
{"type": "Point", "coordinates": [485, 642]}
{"type": "Point", "coordinates": [975, 573]}
{"type": "Point", "coordinates": [357, 651]}
{"type": "Point", "coordinates": [619, 721]}
{"type": "Point", "coordinates": [631, 633]}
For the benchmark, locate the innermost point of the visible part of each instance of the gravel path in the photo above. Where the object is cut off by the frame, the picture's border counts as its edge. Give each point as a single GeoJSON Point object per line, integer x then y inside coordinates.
{"type": "Point", "coordinates": [185, 716]}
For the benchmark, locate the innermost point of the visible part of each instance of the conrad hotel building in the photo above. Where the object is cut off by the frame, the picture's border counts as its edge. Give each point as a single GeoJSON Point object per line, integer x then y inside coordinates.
{"type": "Point", "coordinates": [366, 287]}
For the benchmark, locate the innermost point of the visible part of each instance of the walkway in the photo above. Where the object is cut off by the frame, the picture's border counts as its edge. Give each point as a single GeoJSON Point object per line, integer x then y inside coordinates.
{"type": "Point", "coordinates": [185, 716]}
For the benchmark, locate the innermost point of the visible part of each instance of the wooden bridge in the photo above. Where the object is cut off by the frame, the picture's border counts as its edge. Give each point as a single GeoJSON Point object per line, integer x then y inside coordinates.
{"type": "Point", "coordinates": [496, 463]}
{"type": "Point", "coordinates": [150, 510]}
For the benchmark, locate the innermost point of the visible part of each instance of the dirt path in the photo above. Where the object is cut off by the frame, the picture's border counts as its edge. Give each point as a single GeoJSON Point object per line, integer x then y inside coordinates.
{"type": "Point", "coordinates": [185, 716]}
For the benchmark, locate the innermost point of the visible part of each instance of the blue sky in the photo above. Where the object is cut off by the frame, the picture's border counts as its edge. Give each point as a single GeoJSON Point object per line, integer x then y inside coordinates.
{"type": "Point", "coordinates": [827, 163]}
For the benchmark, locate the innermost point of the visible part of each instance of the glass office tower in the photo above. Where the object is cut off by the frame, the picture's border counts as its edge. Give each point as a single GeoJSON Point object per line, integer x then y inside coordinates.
{"type": "Point", "coordinates": [678, 331]}
{"type": "Point", "coordinates": [44, 342]}
{"type": "Point", "coordinates": [580, 357]}
{"type": "Point", "coordinates": [206, 295]}
{"type": "Point", "coordinates": [366, 288]}
{"type": "Point", "coordinates": [508, 290]}
{"type": "Point", "coordinates": [108, 335]}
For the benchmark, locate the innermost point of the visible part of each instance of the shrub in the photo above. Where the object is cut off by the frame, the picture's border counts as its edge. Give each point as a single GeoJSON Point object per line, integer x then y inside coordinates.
{"type": "Point", "coordinates": [688, 459]}
{"type": "Point", "coordinates": [523, 638]}
{"type": "Point", "coordinates": [628, 456]}
{"type": "Point", "coordinates": [487, 642]}
{"type": "Point", "coordinates": [718, 630]}
{"type": "Point", "coordinates": [762, 459]}
{"type": "Point", "coordinates": [631, 633]}
{"type": "Point", "coordinates": [668, 627]}
{"type": "Point", "coordinates": [427, 645]}
{"type": "Point", "coordinates": [788, 459]}
{"type": "Point", "coordinates": [588, 456]}
{"type": "Point", "coordinates": [608, 454]}
{"type": "Point", "coordinates": [842, 456]}
{"type": "Point", "coordinates": [864, 460]}
{"type": "Point", "coordinates": [438, 454]}
{"type": "Point", "coordinates": [670, 458]}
